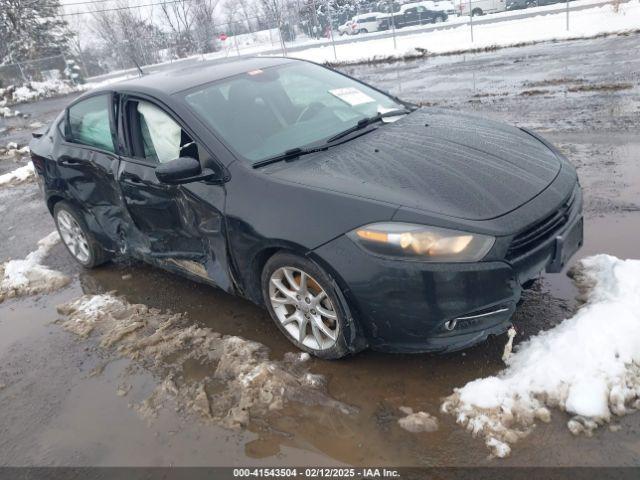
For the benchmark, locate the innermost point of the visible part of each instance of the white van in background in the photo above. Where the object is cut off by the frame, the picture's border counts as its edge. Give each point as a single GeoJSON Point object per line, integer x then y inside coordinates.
{"type": "Point", "coordinates": [366, 22]}
{"type": "Point", "coordinates": [442, 5]}
{"type": "Point", "coordinates": [480, 7]}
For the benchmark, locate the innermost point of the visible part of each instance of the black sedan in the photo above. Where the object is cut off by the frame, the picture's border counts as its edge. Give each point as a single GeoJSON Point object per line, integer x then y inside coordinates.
{"type": "Point", "coordinates": [411, 15]}
{"type": "Point", "coordinates": [355, 218]}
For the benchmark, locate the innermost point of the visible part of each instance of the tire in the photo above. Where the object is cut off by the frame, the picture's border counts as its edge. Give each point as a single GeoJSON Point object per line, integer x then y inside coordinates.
{"type": "Point", "coordinates": [363, 30]}
{"type": "Point", "coordinates": [71, 227]}
{"type": "Point", "coordinates": [477, 12]}
{"type": "Point", "coordinates": [439, 19]}
{"type": "Point", "coordinates": [290, 310]}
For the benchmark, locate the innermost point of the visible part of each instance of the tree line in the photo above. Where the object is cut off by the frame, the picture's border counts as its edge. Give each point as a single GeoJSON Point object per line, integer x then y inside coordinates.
{"type": "Point", "coordinates": [121, 36]}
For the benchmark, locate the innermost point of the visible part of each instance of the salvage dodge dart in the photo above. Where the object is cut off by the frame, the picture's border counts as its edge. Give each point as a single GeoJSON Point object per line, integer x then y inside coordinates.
{"type": "Point", "coordinates": [358, 220]}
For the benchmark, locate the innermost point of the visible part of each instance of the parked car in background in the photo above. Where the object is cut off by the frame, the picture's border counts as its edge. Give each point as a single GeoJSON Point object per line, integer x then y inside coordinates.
{"type": "Point", "coordinates": [444, 5]}
{"type": "Point", "coordinates": [366, 22]}
{"type": "Point", "coordinates": [519, 4]}
{"type": "Point", "coordinates": [412, 14]}
{"type": "Point", "coordinates": [347, 28]}
{"type": "Point", "coordinates": [480, 7]}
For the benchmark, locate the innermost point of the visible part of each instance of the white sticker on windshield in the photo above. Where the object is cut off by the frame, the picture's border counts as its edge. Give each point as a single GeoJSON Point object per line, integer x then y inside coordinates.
{"type": "Point", "coordinates": [351, 96]}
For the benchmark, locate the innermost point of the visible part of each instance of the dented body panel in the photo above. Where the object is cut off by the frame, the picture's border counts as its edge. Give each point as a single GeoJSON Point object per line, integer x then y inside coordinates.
{"type": "Point", "coordinates": [431, 167]}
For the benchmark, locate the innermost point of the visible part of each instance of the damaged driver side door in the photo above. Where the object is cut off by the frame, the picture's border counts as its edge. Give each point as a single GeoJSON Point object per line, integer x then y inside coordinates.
{"type": "Point", "coordinates": [179, 227]}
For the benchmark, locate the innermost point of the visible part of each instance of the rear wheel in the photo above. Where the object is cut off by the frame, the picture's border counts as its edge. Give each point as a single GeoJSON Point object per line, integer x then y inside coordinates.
{"type": "Point", "coordinates": [303, 301]}
{"type": "Point", "coordinates": [77, 237]}
{"type": "Point", "coordinates": [439, 19]}
{"type": "Point", "coordinates": [476, 12]}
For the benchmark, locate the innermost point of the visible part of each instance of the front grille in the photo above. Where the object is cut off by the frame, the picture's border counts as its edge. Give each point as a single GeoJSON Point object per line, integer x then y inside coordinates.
{"type": "Point", "coordinates": [541, 230]}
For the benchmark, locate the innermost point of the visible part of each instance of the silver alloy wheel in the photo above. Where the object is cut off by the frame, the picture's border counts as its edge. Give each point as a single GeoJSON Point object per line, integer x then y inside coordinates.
{"type": "Point", "coordinates": [303, 308]}
{"type": "Point", "coordinates": [73, 236]}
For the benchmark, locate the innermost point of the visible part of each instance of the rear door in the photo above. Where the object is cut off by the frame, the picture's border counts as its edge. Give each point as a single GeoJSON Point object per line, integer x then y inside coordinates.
{"type": "Point", "coordinates": [86, 162]}
{"type": "Point", "coordinates": [179, 227]}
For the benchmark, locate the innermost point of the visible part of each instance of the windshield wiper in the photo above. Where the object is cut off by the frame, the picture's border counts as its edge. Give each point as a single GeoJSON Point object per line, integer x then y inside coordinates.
{"type": "Point", "coordinates": [289, 154]}
{"type": "Point", "coordinates": [299, 151]}
{"type": "Point", "coordinates": [365, 122]}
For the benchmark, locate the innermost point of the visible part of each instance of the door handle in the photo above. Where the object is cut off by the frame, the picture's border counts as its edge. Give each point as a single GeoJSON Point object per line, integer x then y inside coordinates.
{"type": "Point", "coordinates": [68, 161]}
{"type": "Point", "coordinates": [132, 179]}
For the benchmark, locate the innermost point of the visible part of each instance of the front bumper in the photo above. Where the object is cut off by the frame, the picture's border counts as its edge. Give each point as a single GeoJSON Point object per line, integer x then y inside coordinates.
{"type": "Point", "coordinates": [406, 306]}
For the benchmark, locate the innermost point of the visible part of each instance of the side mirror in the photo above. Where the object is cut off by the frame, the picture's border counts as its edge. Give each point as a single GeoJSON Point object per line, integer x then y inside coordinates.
{"type": "Point", "coordinates": [182, 170]}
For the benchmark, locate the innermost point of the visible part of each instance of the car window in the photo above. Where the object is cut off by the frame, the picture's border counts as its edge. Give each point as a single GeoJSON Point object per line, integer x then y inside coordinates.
{"type": "Point", "coordinates": [265, 112]}
{"type": "Point", "coordinates": [89, 123]}
{"type": "Point", "coordinates": [162, 138]}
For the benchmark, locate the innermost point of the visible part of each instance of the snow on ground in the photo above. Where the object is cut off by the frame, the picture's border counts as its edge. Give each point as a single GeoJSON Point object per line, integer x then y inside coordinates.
{"type": "Point", "coordinates": [588, 366]}
{"type": "Point", "coordinates": [36, 90]}
{"type": "Point", "coordinates": [417, 422]}
{"type": "Point", "coordinates": [547, 24]}
{"type": "Point", "coordinates": [6, 112]}
{"type": "Point", "coordinates": [28, 276]}
{"type": "Point", "coordinates": [544, 27]}
{"type": "Point", "coordinates": [19, 175]}
{"type": "Point", "coordinates": [245, 383]}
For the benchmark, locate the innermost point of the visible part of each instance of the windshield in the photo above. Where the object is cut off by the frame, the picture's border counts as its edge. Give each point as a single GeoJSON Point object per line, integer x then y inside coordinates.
{"type": "Point", "coordinates": [263, 113]}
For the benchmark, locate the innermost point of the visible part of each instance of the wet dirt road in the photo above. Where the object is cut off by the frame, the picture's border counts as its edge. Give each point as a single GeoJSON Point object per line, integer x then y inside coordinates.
{"type": "Point", "coordinates": [66, 400]}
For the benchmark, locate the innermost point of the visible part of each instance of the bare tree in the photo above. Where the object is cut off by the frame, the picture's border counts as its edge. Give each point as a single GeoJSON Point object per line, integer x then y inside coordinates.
{"type": "Point", "coordinates": [132, 38]}
{"type": "Point", "coordinates": [204, 25]}
{"type": "Point", "coordinates": [239, 11]}
{"type": "Point", "coordinates": [179, 17]}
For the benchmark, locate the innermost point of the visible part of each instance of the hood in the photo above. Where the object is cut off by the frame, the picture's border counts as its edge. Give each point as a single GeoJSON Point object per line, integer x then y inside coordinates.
{"type": "Point", "coordinates": [442, 162]}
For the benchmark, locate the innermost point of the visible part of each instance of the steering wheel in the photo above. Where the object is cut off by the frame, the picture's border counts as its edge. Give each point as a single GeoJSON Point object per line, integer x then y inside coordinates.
{"type": "Point", "coordinates": [310, 111]}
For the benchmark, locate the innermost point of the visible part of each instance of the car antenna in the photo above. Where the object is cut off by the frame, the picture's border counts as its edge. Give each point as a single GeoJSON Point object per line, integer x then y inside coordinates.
{"type": "Point", "coordinates": [138, 67]}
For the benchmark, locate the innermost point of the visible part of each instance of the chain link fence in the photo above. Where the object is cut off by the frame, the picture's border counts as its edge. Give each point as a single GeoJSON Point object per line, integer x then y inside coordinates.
{"type": "Point", "coordinates": [315, 24]}
{"type": "Point", "coordinates": [41, 69]}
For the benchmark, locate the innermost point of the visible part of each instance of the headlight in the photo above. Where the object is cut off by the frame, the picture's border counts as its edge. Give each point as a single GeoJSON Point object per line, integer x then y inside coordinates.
{"type": "Point", "coordinates": [420, 242]}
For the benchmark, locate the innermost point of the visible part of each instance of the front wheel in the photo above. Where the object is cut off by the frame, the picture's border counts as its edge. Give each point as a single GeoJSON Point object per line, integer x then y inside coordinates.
{"type": "Point", "coordinates": [303, 301]}
{"type": "Point", "coordinates": [476, 12]}
{"type": "Point", "coordinates": [77, 237]}
{"type": "Point", "coordinates": [439, 19]}
{"type": "Point", "coordinates": [363, 30]}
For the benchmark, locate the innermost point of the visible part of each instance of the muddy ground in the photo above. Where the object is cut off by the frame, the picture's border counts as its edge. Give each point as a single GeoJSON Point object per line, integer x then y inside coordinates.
{"type": "Point", "coordinates": [70, 400]}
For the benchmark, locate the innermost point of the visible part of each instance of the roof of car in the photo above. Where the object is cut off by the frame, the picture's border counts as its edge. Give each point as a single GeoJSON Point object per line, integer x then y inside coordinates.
{"type": "Point", "coordinates": [365, 15]}
{"type": "Point", "coordinates": [175, 80]}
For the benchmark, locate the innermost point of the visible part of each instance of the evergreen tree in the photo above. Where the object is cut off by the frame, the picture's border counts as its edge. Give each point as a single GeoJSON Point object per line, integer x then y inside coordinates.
{"type": "Point", "coordinates": [32, 29]}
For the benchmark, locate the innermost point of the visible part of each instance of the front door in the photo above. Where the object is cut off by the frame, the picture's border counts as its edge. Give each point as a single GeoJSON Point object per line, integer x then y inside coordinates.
{"type": "Point", "coordinates": [179, 227]}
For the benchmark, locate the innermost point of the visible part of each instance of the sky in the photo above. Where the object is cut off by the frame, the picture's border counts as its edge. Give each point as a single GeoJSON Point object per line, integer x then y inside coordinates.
{"type": "Point", "coordinates": [79, 22]}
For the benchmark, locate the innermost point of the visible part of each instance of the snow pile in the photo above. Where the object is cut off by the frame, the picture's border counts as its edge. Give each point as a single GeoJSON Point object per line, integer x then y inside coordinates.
{"type": "Point", "coordinates": [588, 366]}
{"type": "Point", "coordinates": [19, 175]}
{"type": "Point", "coordinates": [34, 90]}
{"type": "Point", "coordinates": [417, 422]}
{"type": "Point", "coordinates": [29, 276]}
{"type": "Point", "coordinates": [548, 24]}
{"type": "Point", "coordinates": [244, 383]}
{"type": "Point", "coordinates": [31, 91]}
{"type": "Point", "coordinates": [7, 112]}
